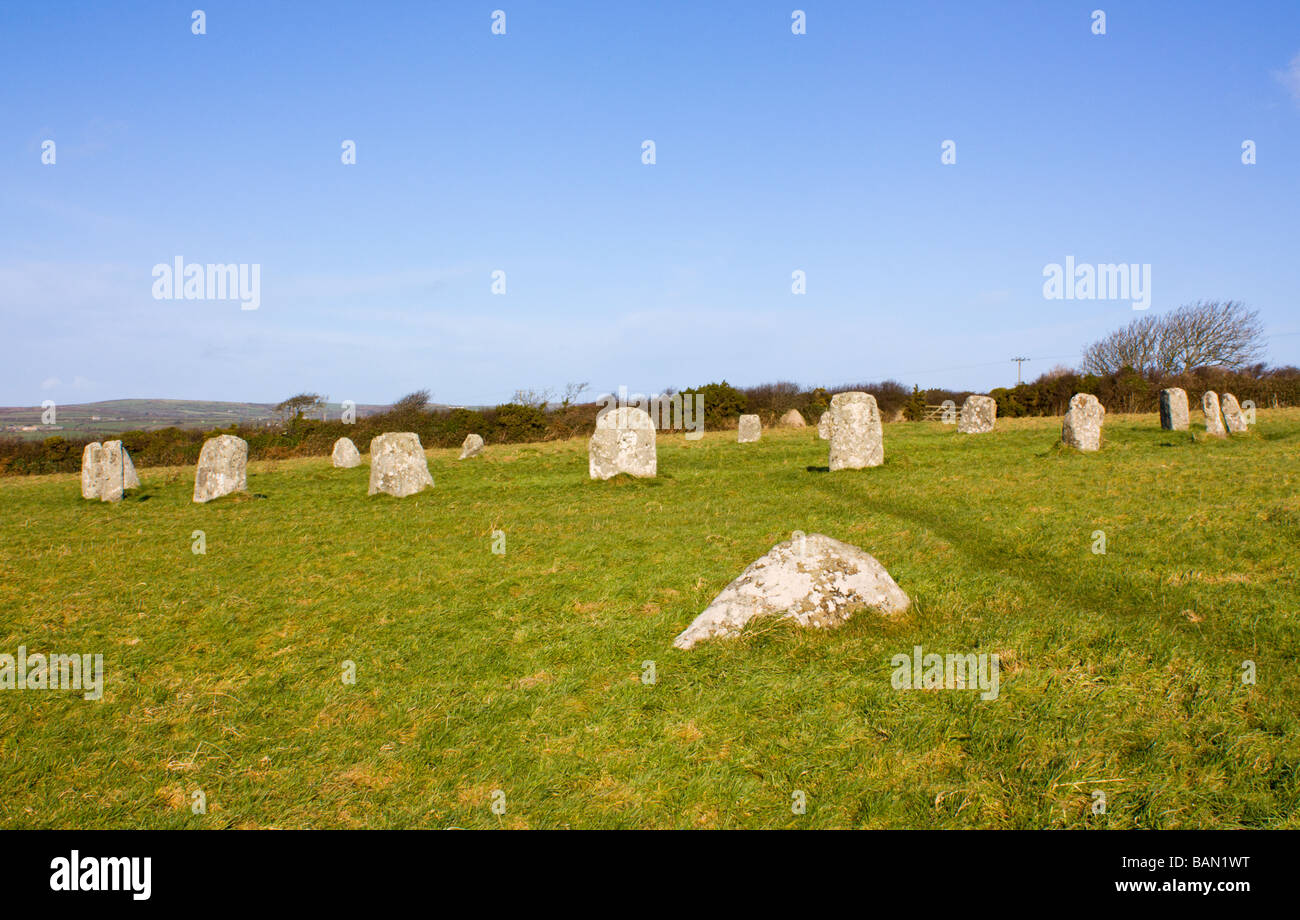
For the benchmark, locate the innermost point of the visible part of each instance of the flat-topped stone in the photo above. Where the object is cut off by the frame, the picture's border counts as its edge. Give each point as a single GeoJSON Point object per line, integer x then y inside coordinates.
{"type": "Point", "coordinates": [1174, 415]}
{"type": "Point", "coordinates": [623, 442]}
{"type": "Point", "coordinates": [1081, 428]}
{"type": "Point", "coordinates": [978, 415]}
{"type": "Point", "coordinates": [398, 466]}
{"type": "Point", "coordinates": [857, 439]}
{"type": "Point", "coordinates": [749, 430]}
{"type": "Point", "coordinates": [90, 469]}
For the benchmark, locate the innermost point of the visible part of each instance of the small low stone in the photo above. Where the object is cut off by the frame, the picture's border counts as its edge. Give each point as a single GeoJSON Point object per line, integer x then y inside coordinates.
{"type": "Point", "coordinates": [345, 455]}
{"type": "Point", "coordinates": [472, 447]}
{"type": "Point", "coordinates": [792, 419]}
{"type": "Point", "coordinates": [813, 579]}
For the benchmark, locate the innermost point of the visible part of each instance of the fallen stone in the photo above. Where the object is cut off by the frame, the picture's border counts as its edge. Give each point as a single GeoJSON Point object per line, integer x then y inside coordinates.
{"type": "Point", "coordinates": [1082, 426]}
{"type": "Point", "coordinates": [1232, 415]}
{"type": "Point", "coordinates": [814, 580]}
{"type": "Point", "coordinates": [624, 442]}
{"type": "Point", "coordinates": [222, 469]}
{"type": "Point", "coordinates": [1174, 415]}
{"type": "Point", "coordinates": [749, 430]}
{"type": "Point", "coordinates": [397, 464]}
{"type": "Point", "coordinates": [472, 447]}
{"type": "Point", "coordinates": [857, 439]}
{"type": "Point", "coordinates": [978, 413]}
{"type": "Point", "coordinates": [1213, 415]}
{"type": "Point", "coordinates": [345, 455]}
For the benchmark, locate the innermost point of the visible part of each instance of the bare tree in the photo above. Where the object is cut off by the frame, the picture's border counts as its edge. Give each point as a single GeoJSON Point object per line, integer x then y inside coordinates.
{"type": "Point", "coordinates": [1210, 333]}
{"type": "Point", "coordinates": [571, 392]}
{"type": "Point", "coordinates": [536, 399]}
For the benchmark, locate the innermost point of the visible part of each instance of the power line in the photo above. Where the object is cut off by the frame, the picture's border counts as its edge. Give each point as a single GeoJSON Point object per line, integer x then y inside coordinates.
{"type": "Point", "coordinates": [1019, 362]}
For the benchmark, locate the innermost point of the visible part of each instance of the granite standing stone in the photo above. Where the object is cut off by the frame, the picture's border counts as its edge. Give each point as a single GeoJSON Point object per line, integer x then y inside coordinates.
{"type": "Point", "coordinates": [1232, 416]}
{"type": "Point", "coordinates": [624, 442]}
{"type": "Point", "coordinates": [472, 447]}
{"type": "Point", "coordinates": [1174, 415]}
{"type": "Point", "coordinates": [397, 464]}
{"type": "Point", "coordinates": [824, 426]}
{"type": "Point", "coordinates": [978, 414]}
{"type": "Point", "coordinates": [1213, 415]}
{"type": "Point", "coordinates": [814, 580]}
{"type": "Point", "coordinates": [749, 430]}
{"type": "Point", "coordinates": [792, 419]}
{"type": "Point", "coordinates": [857, 439]}
{"type": "Point", "coordinates": [113, 477]}
{"type": "Point", "coordinates": [222, 469]}
{"type": "Point", "coordinates": [345, 455]}
{"type": "Point", "coordinates": [90, 469]}
{"type": "Point", "coordinates": [1082, 426]}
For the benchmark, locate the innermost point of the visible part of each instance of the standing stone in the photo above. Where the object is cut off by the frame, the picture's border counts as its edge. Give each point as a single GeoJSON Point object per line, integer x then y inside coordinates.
{"type": "Point", "coordinates": [1174, 415]}
{"type": "Point", "coordinates": [1082, 426]}
{"type": "Point", "coordinates": [398, 465]}
{"type": "Point", "coordinates": [824, 426]}
{"type": "Point", "coordinates": [222, 469]}
{"type": "Point", "coordinates": [814, 580]}
{"type": "Point", "coordinates": [90, 469]}
{"type": "Point", "coordinates": [624, 442]}
{"type": "Point", "coordinates": [978, 413]}
{"type": "Point", "coordinates": [1213, 415]}
{"type": "Point", "coordinates": [345, 454]}
{"type": "Point", "coordinates": [472, 447]}
{"type": "Point", "coordinates": [113, 479]}
{"type": "Point", "coordinates": [857, 439]}
{"type": "Point", "coordinates": [1232, 416]}
{"type": "Point", "coordinates": [793, 419]}
{"type": "Point", "coordinates": [750, 429]}
{"type": "Point", "coordinates": [130, 479]}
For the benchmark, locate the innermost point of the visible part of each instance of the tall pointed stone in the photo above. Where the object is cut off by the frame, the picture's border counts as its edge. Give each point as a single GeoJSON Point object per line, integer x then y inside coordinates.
{"type": "Point", "coordinates": [1232, 416]}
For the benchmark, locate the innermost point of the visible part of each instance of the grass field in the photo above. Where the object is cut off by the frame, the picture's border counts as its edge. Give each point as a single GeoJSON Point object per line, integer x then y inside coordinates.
{"type": "Point", "coordinates": [522, 672]}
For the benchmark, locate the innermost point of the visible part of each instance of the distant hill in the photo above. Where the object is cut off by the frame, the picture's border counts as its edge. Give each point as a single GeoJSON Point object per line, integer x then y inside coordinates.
{"type": "Point", "coordinates": [117, 415]}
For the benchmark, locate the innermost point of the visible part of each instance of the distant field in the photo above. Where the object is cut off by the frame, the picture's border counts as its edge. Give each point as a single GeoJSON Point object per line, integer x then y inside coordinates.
{"type": "Point", "coordinates": [105, 419]}
{"type": "Point", "coordinates": [522, 673]}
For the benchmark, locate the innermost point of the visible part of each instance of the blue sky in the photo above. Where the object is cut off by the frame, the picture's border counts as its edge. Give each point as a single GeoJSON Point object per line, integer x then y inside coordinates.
{"type": "Point", "coordinates": [522, 152]}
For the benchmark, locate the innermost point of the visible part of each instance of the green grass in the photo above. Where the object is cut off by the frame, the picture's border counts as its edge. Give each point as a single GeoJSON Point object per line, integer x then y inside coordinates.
{"type": "Point", "coordinates": [522, 672]}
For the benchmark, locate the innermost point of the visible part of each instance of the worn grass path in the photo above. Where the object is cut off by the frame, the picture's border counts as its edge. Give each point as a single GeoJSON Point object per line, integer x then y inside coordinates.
{"type": "Point", "coordinates": [522, 672]}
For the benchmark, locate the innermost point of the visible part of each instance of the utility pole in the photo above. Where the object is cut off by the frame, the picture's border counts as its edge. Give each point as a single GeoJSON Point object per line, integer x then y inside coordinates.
{"type": "Point", "coordinates": [1019, 362]}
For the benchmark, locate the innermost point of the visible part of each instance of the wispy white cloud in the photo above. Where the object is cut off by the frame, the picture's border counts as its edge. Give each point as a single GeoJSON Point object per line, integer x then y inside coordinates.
{"type": "Point", "coordinates": [1290, 78]}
